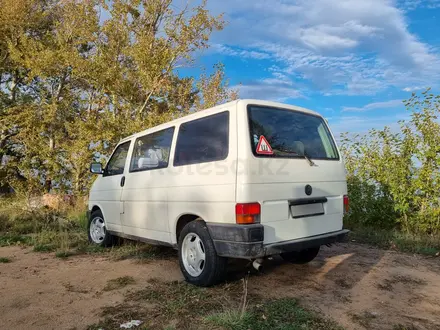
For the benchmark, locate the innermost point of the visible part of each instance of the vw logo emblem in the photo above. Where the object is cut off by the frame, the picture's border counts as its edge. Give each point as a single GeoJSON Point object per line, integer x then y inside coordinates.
{"type": "Point", "coordinates": [308, 189]}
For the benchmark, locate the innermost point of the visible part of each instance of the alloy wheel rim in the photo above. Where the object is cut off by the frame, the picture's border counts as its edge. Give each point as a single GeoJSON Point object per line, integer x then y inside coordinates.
{"type": "Point", "coordinates": [97, 230]}
{"type": "Point", "coordinates": [193, 254]}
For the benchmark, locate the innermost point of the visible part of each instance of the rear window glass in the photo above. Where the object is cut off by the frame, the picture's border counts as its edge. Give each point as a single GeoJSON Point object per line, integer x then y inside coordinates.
{"type": "Point", "coordinates": [203, 140]}
{"type": "Point", "coordinates": [289, 134]}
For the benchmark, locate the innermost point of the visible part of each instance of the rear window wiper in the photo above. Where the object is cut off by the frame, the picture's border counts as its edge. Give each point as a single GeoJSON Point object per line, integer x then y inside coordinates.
{"type": "Point", "coordinates": [310, 161]}
{"type": "Point", "coordinates": [304, 155]}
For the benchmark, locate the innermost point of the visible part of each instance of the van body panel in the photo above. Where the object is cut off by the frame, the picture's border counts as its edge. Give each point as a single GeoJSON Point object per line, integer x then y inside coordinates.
{"type": "Point", "coordinates": [154, 200]}
{"type": "Point", "coordinates": [275, 182]}
{"type": "Point", "coordinates": [206, 190]}
{"type": "Point", "coordinates": [145, 207]}
{"type": "Point", "coordinates": [106, 193]}
{"type": "Point", "coordinates": [206, 196]}
{"type": "Point", "coordinates": [151, 201]}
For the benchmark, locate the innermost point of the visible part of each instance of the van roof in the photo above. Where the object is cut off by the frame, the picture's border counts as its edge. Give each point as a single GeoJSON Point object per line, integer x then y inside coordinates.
{"type": "Point", "coordinates": [205, 112]}
{"type": "Point", "coordinates": [278, 105]}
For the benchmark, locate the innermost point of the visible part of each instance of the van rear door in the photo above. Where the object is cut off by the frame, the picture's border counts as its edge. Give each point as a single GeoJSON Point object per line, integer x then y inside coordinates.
{"type": "Point", "coordinates": [293, 169]}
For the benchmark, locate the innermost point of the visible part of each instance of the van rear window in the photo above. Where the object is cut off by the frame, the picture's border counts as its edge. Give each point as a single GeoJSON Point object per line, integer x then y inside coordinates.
{"type": "Point", "coordinates": [285, 133]}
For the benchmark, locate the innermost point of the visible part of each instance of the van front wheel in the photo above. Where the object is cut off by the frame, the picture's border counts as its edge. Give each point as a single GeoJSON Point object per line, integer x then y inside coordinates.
{"type": "Point", "coordinates": [301, 257]}
{"type": "Point", "coordinates": [198, 259]}
{"type": "Point", "coordinates": [97, 230]}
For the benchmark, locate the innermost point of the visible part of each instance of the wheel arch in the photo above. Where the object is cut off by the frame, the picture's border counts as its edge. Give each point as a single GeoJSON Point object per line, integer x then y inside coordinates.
{"type": "Point", "coordinates": [95, 208]}
{"type": "Point", "coordinates": [182, 221]}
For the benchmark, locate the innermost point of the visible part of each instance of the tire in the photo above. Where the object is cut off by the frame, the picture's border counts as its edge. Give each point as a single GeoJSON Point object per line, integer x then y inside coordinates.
{"type": "Point", "coordinates": [195, 243]}
{"type": "Point", "coordinates": [301, 257]}
{"type": "Point", "coordinates": [102, 238]}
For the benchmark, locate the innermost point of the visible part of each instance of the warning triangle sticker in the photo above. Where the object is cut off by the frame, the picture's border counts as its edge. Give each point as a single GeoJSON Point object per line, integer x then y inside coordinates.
{"type": "Point", "coordinates": [263, 147]}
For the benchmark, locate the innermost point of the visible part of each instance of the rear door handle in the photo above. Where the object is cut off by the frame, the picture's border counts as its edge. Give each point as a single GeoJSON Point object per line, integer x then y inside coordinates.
{"type": "Point", "coordinates": [122, 181]}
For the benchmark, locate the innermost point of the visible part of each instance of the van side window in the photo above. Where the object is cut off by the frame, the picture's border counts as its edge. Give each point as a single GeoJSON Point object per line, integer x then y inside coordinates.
{"type": "Point", "coordinates": [152, 151]}
{"type": "Point", "coordinates": [116, 163]}
{"type": "Point", "coordinates": [203, 140]}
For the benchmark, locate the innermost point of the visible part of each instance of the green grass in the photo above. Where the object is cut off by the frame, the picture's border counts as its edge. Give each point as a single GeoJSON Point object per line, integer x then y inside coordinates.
{"type": "Point", "coordinates": [78, 218]}
{"type": "Point", "coordinates": [14, 239]}
{"type": "Point", "coordinates": [65, 254]}
{"type": "Point", "coordinates": [141, 252]}
{"type": "Point", "coordinates": [119, 283]}
{"type": "Point", "coordinates": [63, 231]}
{"type": "Point", "coordinates": [178, 305]}
{"type": "Point", "coordinates": [389, 239]}
{"type": "Point", "coordinates": [86, 248]}
{"type": "Point", "coordinates": [45, 229]}
{"type": "Point", "coordinates": [4, 260]}
{"type": "Point", "coordinates": [280, 314]}
{"type": "Point", "coordinates": [232, 319]}
{"type": "Point", "coordinates": [44, 248]}
{"type": "Point", "coordinates": [24, 227]}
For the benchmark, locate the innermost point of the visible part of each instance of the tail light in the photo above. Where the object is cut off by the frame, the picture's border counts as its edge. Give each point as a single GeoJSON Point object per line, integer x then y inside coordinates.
{"type": "Point", "coordinates": [247, 213]}
{"type": "Point", "coordinates": [346, 204]}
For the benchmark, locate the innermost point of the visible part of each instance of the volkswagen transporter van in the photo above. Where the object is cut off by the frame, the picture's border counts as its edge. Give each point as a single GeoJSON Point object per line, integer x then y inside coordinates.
{"type": "Point", "coordinates": [246, 179]}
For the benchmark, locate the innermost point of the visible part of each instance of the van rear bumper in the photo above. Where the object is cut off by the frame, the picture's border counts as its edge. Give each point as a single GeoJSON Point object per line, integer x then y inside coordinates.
{"type": "Point", "coordinates": [246, 241]}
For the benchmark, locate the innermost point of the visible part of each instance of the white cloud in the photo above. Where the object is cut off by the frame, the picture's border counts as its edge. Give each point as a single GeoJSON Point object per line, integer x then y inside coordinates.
{"type": "Point", "coordinates": [341, 47]}
{"type": "Point", "coordinates": [413, 88]}
{"type": "Point", "coordinates": [277, 88]}
{"type": "Point", "coordinates": [362, 124]}
{"type": "Point", "coordinates": [413, 4]}
{"type": "Point", "coordinates": [318, 38]}
{"type": "Point", "coordinates": [243, 53]}
{"type": "Point", "coordinates": [324, 36]}
{"type": "Point", "coordinates": [373, 106]}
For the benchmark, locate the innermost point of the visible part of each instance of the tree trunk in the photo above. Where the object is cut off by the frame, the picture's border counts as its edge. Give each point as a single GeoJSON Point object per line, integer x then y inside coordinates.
{"type": "Point", "coordinates": [48, 182]}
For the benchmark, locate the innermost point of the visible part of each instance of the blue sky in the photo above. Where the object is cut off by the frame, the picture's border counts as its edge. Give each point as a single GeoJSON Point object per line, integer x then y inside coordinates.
{"type": "Point", "coordinates": [353, 61]}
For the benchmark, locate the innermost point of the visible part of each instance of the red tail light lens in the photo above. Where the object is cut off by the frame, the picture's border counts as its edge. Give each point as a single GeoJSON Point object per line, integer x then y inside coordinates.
{"type": "Point", "coordinates": [247, 213]}
{"type": "Point", "coordinates": [346, 204]}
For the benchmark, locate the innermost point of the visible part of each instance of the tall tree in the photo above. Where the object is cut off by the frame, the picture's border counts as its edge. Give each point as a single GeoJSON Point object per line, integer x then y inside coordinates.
{"type": "Point", "coordinates": [76, 76]}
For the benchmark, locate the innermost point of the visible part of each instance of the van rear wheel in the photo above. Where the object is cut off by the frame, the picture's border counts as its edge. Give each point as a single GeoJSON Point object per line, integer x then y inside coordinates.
{"type": "Point", "coordinates": [302, 256]}
{"type": "Point", "coordinates": [198, 259]}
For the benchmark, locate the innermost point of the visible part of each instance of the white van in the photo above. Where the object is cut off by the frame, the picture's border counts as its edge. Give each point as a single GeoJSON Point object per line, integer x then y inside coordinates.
{"type": "Point", "coordinates": [246, 179]}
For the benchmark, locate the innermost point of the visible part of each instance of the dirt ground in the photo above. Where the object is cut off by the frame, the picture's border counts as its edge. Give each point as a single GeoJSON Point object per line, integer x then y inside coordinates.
{"type": "Point", "coordinates": [358, 286]}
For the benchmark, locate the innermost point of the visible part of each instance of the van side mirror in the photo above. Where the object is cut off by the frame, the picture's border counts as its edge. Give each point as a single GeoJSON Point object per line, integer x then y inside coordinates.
{"type": "Point", "coordinates": [96, 168]}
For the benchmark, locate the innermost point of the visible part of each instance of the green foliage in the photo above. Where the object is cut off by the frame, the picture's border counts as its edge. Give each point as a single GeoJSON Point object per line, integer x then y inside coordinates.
{"type": "Point", "coordinates": [72, 86]}
{"type": "Point", "coordinates": [368, 206]}
{"type": "Point", "coordinates": [394, 177]}
{"type": "Point", "coordinates": [39, 247]}
{"type": "Point", "coordinates": [397, 240]}
{"type": "Point", "coordinates": [64, 254]}
{"type": "Point", "coordinates": [178, 305]}
{"type": "Point", "coordinates": [14, 239]}
{"type": "Point", "coordinates": [44, 228]}
{"type": "Point", "coordinates": [277, 314]}
{"type": "Point", "coordinates": [142, 252]}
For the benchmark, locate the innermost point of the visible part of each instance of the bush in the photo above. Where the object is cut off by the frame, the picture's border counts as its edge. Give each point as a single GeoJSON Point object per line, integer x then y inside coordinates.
{"type": "Point", "coordinates": [369, 206]}
{"type": "Point", "coordinates": [393, 239]}
{"type": "Point", "coordinates": [45, 228]}
{"type": "Point", "coordinates": [394, 177]}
